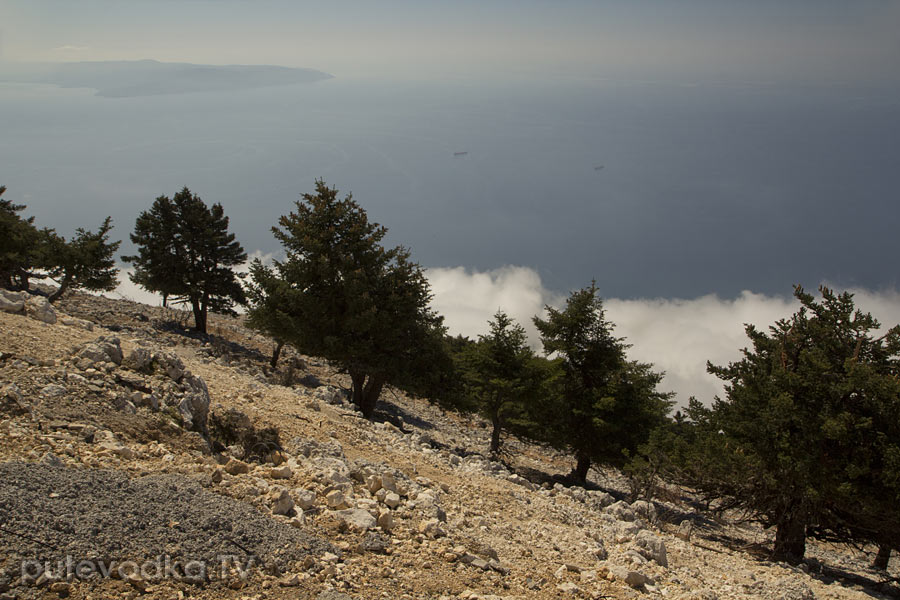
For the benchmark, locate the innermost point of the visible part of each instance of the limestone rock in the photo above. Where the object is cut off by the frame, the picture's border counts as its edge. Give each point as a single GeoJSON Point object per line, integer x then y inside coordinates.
{"type": "Point", "coordinates": [283, 472]}
{"type": "Point", "coordinates": [38, 308]}
{"type": "Point", "coordinates": [336, 500]}
{"type": "Point", "coordinates": [621, 511]}
{"type": "Point", "coordinates": [305, 499]}
{"type": "Point", "coordinates": [103, 349]}
{"type": "Point", "coordinates": [651, 546]}
{"type": "Point", "coordinates": [282, 503]}
{"type": "Point", "coordinates": [194, 407]}
{"type": "Point", "coordinates": [432, 528]}
{"type": "Point", "coordinates": [12, 302]}
{"type": "Point", "coordinates": [392, 500]}
{"type": "Point", "coordinates": [357, 518]}
{"type": "Point", "coordinates": [236, 467]}
{"type": "Point", "coordinates": [386, 520]}
{"type": "Point", "coordinates": [645, 510]}
{"type": "Point", "coordinates": [140, 359]}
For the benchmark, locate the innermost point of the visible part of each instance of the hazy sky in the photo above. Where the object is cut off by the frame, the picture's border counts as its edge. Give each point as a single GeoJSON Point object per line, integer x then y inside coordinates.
{"type": "Point", "coordinates": [805, 40]}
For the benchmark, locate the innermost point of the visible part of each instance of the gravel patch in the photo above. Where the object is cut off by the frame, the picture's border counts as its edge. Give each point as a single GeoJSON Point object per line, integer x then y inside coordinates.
{"type": "Point", "coordinates": [50, 512]}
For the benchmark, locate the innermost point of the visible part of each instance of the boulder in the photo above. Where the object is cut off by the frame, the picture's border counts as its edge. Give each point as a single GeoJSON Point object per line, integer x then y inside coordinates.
{"type": "Point", "coordinates": [38, 308]}
{"type": "Point", "coordinates": [12, 402]}
{"type": "Point", "coordinates": [171, 365]}
{"type": "Point", "coordinates": [621, 511]}
{"type": "Point", "coordinates": [651, 547]}
{"type": "Point", "coordinates": [194, 407]}
{"type": "Point", "coordinates": [140, 359]}
{"type": "Point", "coordinates": [12, 302]}
{"type": "Point", "coordinates": [103, 349]}
{"type": "Point", "coordinates": [645, 510]}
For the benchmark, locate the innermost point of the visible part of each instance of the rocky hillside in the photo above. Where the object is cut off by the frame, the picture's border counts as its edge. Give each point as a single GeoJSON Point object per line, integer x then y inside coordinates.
{"type": "Point", "coordinates": [139, 460]}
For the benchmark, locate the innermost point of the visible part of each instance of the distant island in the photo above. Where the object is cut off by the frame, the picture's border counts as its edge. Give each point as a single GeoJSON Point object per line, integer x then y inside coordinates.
{"type": "Point", "coordinates": [122, 79]}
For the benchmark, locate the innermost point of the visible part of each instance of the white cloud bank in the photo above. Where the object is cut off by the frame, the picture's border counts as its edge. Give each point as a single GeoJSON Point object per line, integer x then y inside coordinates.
{"type": "Point", "coordinates": [677, 336]}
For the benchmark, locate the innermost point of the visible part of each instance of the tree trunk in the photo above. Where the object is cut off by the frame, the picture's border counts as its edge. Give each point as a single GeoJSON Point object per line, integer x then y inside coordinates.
{"type": "Point", "coordinates": [495, 433]}
{"type": "Point", "coordinates": [165, 300]}
{"type": "Point", "coordinates": [790, 538]}
{"type": "Point", "coordinates": [199, 316]}
{"type": "Point", "coordinates": [365, 392]}
{"type": "Point", "coordinates": [882, 558]}
{"type": "Point", "coordinates": [276, 352]}
{"type": "Point", "coordinates": [67, 280]}
{"type": "Point", "coordinates": [582, 466]}
{"type": "Point", "coordinates": [370, 395]}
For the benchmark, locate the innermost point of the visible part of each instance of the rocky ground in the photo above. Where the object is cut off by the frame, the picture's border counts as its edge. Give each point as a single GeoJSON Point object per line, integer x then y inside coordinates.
{"type": "Point", "coordinates": [167, 465]}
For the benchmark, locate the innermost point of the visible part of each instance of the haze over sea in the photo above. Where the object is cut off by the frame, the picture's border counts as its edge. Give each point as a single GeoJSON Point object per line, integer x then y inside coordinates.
{"type": "Point", "coordinates": [690, 192]}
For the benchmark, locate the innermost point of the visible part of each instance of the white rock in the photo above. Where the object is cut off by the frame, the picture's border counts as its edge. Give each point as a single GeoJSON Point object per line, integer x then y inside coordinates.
{"type": "Point", "coordinates": [38, 308]}
{"type": "Point", "coordinates": [336, 500]}
{"type": "Point", "coordinates": [282, 504]}
{"type": "Point", "coordinates": [305, 499]}
{"type": "Point", "coordinates": [392, 500]}
{"type": "Point", "coordinates": [621, 511]}
{"type": "Point", "coordinates": [568, 588]}
{"type": "Point", "coordinates": [651, 546]}
{"type": "Point", "coordinates": [432, 528]}
{"type": "Point", "coordinates": [12, 302]}
{"type": "Point", "coordinates": [386, 520]}
{"type": "Point", "coordinates": [357, 518]}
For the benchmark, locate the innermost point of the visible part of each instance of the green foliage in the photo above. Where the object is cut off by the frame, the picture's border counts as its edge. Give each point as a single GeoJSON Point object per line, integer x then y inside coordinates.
{"type": "Point", "coordinates": [186, 252]}
{"type": "Point", "coordinates": [808, 437]}
{"type": "Point", "coordinates": [606, 405]}
{"type": "Point", "coordinates": [19, 245]}
{"type": "Point", "coordinates": [341, 295]}
{"type": "Point", "coordinates": [85, 262]}
{"type": "Point", "coordinates": [501, 375]}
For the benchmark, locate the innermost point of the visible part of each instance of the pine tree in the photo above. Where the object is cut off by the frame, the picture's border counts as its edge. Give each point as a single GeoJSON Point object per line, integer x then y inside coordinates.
{"type": "Point", "coordinates": [186, 252]}
{"type": "Point", "coordinates": [500, 374]}
{"type": "Point", "coordinates": [20, 243]}
{"type": "Point", "coordinates": [807, 439]}
{"type": "Point", "coordinates": [84, 262]}
{"type": "Point", "coordinates": [606, 405]}
{"type": "Point", "coordinates": [345, 297]}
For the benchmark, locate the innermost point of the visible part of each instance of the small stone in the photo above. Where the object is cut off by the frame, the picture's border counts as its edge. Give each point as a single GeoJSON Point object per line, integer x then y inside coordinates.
{"type": "Point", "coordinates": [392, 500]}
{"type": "Point", "coordinates": [236, 467]}
{"type": "Point", "coordinates": [432, 528]}
{"type": "Point", "coordinates": [137, 582]}
{"type": "Point", "coordinates": [357, 518]}
{"type": "Point", "coordinates": [685, 529]}
{"type": "Point", "coordinates": [386, 520]}
{"type": "Point", "coordinates": [568, 588]}
{"type": "Point", "coordinates": [305, 499]}
{"type": "Point", "coordinates": [283, 472]}
{"type": "Point", "coordinates": [61, 588]}
{"type": "Point", "coordinates": [53, 390]}
{"type": "Point", "coordinates": [289, 581]}
{"type": "Point", "coordinates": [282, 504]}
{"type": "Point", "coordinates": [336, 500]}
